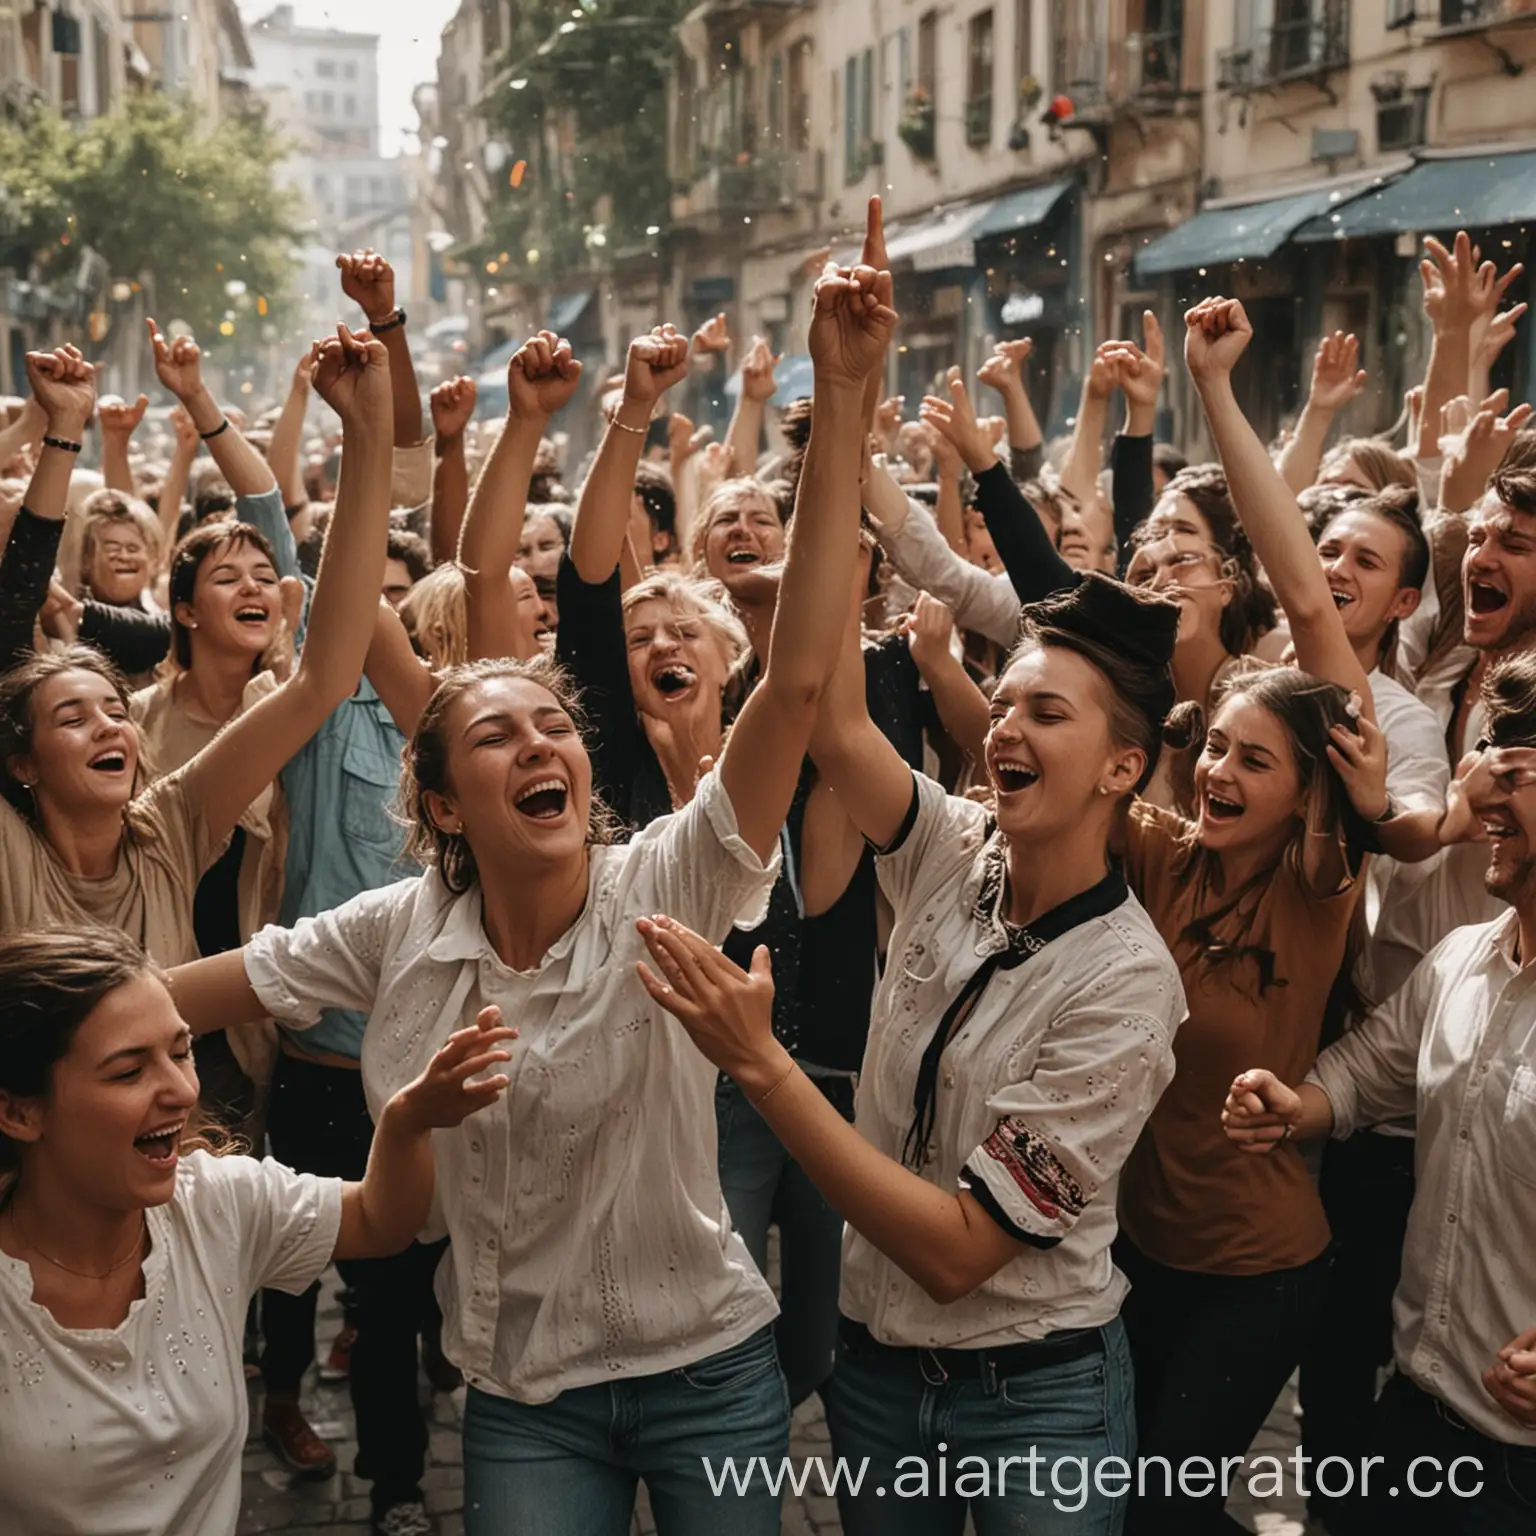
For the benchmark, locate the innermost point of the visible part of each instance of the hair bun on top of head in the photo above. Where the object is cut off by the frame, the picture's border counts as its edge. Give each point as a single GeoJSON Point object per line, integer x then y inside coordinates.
{"type": "Point", "coordinates": [1135, 624]}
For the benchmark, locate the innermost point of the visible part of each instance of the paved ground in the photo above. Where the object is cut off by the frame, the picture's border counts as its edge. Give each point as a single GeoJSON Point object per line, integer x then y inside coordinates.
{"type": "Point", "coordinates": [275, 1502]}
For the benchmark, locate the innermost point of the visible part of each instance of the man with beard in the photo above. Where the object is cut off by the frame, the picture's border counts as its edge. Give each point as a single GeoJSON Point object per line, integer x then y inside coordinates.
{"type": "Point", "coordinates": [1456, 1047]}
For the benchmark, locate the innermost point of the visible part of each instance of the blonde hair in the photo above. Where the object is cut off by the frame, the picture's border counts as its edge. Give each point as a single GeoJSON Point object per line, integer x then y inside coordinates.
{"type": "Point", "coordinates": [697, 596]}
{"type": "Point", "coordinates": [107, 508]}
{"type": "Point", "coordinates": [437, 617]}
{"type": "Point", "coordinates": [726, 497]}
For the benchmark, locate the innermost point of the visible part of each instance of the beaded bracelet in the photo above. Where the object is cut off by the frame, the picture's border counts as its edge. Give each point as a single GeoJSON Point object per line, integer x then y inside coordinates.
{"type": "Point", "coordinates": [396, 319]}
{"type": "Point", "coordinates": [64, 443]}
{"type": "Point", "coordinates": [638, 431]}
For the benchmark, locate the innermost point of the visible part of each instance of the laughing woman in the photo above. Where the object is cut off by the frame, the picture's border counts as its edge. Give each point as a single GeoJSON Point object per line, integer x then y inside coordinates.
{"type": "Point", "coordinates": [611, 1326]}
{"type": "Point", "coordinates": [1020, 1036]}
{"type": "Point", "coordinates": [129, 1249]}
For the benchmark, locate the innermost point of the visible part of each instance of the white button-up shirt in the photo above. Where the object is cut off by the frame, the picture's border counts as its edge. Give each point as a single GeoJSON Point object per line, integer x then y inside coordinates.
{"type": "Point", "coordinates": [1042, 1092]}
{"type": "Point", "coordinates": [590, 1237]}
{"type": "Point", "coordinates": [1457, 1047]}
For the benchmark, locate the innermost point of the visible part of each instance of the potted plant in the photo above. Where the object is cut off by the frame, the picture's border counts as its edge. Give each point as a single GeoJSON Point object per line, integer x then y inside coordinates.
{"type": "Point", "coordinates": [917, 123]}
{"type": "Point", "coordinates": [1030, 92]}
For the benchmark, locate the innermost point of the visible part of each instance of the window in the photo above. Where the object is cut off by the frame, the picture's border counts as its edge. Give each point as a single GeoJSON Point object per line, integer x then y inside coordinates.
{"type": "Point", "coordinates": [325, 68]}
{"type": "Point", "coordinates": [101, 57]}
{"type": "Point", "coordinates": [928, 54]}
{"type": "Point", "coordinates": [776, 101]}
{"type": "Point", "coordinates": [1023, 40]}
{"type": "Point", "coordinates": [978, 74]}
{"type": "Point", "coordinates": [858, 113]}
{"type": "Point", "coordinates": [349, 69]}
{"type": "Point", "coordinates": [800, 96]}
{"type": "Point", "coordinates": [327, 104]}
{"type": "Point", "coordinates": [349, 105]}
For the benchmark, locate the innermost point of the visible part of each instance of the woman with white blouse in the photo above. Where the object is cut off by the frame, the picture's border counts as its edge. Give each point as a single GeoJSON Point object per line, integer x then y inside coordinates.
{"type": "Point", "coordinates": [129, 1249]}
{"type": "Point", "coordinates": [1020, 1037]}
{"type": "Point", "coordinates": [610, 1324]}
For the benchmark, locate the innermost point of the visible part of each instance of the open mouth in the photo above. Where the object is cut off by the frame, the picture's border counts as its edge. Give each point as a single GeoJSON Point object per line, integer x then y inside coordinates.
{"type": "Point", "coordinates": [160, 1146]}
{"type": "Point", "coordinates": [544, 801]}
{"type": "Point", "coordinates": [1341, 600]}
{"type": "Point", "coordinates": [1218, 809]}
{"type": "Point", "coordinates": [114, 761]}
{"type": "Point", "coordinates": [743, 557]}
{"type": "Point", "coordinates": [1482, 598]}
{"type": "Point", "coordinates": [674, 679]}
{"type": "Point", "coordinates": [256, 613]}
{"type": "Point", "coordinates": [1013, 777]}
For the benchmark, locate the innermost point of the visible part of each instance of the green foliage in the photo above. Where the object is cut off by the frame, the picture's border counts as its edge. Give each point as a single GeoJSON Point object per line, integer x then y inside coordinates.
{"type": "Point", "coordinates": [591, 122]}
{"type": "Point", "coordinates": [164, 203]}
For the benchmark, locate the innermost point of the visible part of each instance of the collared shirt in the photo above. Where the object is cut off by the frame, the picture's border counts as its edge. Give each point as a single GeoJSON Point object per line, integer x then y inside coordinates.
{"type": "Point", "coordinates": [1041, 1094]}
{"type": "Point", "coordinates": [590, 1237]}
{"type": "Point", "coordinates": [1457, 1048]}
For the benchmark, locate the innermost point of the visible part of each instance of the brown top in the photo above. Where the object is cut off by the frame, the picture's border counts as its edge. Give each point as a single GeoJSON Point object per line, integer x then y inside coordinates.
{"type": "Point", "coordinates": [164, 851]}
{"type": "Point", "coordinates": [1188, 1197]}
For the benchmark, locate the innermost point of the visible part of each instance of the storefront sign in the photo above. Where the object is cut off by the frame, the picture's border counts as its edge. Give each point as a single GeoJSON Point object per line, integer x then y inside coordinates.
{"type": "Point", "coordinates": [1022, 308]}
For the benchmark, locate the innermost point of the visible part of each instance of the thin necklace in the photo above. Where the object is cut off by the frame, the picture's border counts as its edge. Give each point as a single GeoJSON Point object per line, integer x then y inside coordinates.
{"type": "Point", "coordinates": [69, 1269]}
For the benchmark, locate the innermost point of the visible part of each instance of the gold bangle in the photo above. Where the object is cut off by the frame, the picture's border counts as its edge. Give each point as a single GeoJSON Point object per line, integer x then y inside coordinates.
{"type": "Point", "coordinates": [788, 1073]}
{"type": "Point", "coordinates": [638, 431]}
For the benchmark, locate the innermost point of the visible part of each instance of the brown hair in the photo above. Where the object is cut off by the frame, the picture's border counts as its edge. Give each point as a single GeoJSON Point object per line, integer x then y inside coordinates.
{"type": "Point", "coordinates": [188, 559]}
{"type": "Point", "coordinates": [425, 767]}
{"type": "Point", "coordinates": [726, 496]}
{"type": "Point", "coordinates": [1381, 465]}
{"type": "Point", "coordinates": [1516, 488]}
{"type": "Point", "coordinates": [1509, 697]}
{"type": "Point", "coordinates": [51, 981]}
{"type": "Point", "coordinates": [435, 613]}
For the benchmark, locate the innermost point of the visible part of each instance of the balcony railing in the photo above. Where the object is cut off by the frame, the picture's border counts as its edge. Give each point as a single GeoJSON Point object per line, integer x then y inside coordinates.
{"type": "Point", "coordinates": [1290, 50]}
{"type": "Point", "coordinates": [1463, 15]}
{"type": "Point", "coordinates": [1154, 63]}
{"type": "Point", "coordinates": [754, 183]}
{"type": "Point", "coordinates": [1100, 74]}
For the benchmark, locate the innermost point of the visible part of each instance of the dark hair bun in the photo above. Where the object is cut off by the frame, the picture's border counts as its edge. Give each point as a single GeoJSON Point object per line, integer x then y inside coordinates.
{"type": "Point", "coordinates": [1135, 624]}
{"type": "Point", "coordinates": [1183, 726]}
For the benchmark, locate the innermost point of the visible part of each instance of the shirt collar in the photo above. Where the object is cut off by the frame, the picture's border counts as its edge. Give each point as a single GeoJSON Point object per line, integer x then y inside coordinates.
{"type": "Point", "coordinates": [988, 906]}
{"type": "Point", "coordinates": [1503, 938]}
{"type": "Point", "coordinates": [463, 937]}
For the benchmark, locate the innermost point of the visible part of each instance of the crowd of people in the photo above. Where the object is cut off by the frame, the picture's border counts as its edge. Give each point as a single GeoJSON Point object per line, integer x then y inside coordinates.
{"type": "Point", "coordinates": [1085, 908]}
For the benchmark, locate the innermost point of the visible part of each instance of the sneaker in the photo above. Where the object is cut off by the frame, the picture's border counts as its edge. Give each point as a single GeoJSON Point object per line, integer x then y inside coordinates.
{"type": "Point", "coordinates": [444, 1375]}
{"type": "Point", "coordinates": [287, 1432]}
{"type": "Point", "coordinates": [337, 1365]}
{"type": "Point", "coordinates": [410, 1519]}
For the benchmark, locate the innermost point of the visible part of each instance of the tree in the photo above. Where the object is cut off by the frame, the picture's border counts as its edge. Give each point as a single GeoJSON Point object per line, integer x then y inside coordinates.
{"type": "Point", "coordinates": [183, 212]}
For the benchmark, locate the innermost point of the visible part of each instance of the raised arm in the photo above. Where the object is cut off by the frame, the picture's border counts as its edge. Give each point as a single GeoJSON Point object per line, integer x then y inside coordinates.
{"type": "Point", "coordinates": [453, 405]}
{"type": "Point", "coordinates": [656, 362]}
{"type": "Point", "coordinates": [963, 709]}
{"type": "Point", "coordinates": [369, 280]}
{"type": "Point", "coordinates": [286, 450]}
{"type": "Point", "coordinates": [1080, 473]}
{"type": "Point", "coordinates": [395, 670]}
{"type": "Point", "coordinates": [1004, 372]}
{"type": "Point", "coordinates": [851, 325]}
{"type": "Point", "coordinates": [745, 433]}
{"type": "Point", "coordinates": [1336, 380]}
{"type": "Point", "coordinates": [1139, 371]}
{"type": "Point", "coordinates": [352, 376]}
{"type": "Point", "coordinates": [173, 489]}
{"type": "Point", "coordinates": [541, 378]}
{"type": "Point", "coordinates": [117, 420]}
{"type": "Point", "coordinates": [1217, 334]}
{"type": "Point", "coordinates": [179, 365]}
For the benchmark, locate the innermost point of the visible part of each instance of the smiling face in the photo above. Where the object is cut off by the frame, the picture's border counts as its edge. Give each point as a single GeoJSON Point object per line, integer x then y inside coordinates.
{"type": "Point", "coordinates": [1049, 747]}
{"type": "Point", "coordinates": [120, 565]}
{"type": "Point", "coordinates": [1511, 829]}
{"type": "Point", "coordinates": [1498, 576]}
{"type": "Point", "coordinates": [541, 548]}
{"type": "Point", "coordinates": [118, 1102]}
{"type": "Point", "coordinates": [84, 750]}
{"type": "Point", "coordinates": [519, 781]}
{"type": "Point", "coordinates": [1184, 566]}
{"type": "Point", "coordinates": [743, 535]}
{"type": "Point", "coordinates": [1248, 791]}
{"type": "Point", "coordinates": [675, 659]}
{"type": "Point", "coordinates": [236, 603]}
{"type": "Point", "coordinates": [532, 622]}
{"type": "Point", "coordinates": [1363, 557]}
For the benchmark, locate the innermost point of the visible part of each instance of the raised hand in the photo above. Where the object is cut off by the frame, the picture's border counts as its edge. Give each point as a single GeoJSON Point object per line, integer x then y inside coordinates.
{"type": "Point", "coordinates": [947, 463]}
{"type": "Point", "coordinates": [186, 429]}
{"type": "Point", "coordinates": [1103, 372]}
{"type": "Point", "coordinates": [757, 381]}
{"type": "Point", "coordinates": [717, 463]}
{"type": "Point", "coordinates": [929, 628]}
{"type": "Point", "coordinates": [443, 1096]}
{"type": "Point", "coordinates": [1491, 333]}
{"type": "Point", "coordinates": [452, 404]}
{"type": "Point", "coordinates": [1140, 370]}
{"type": "Point", "coordinates": [368, 280]}
{"type": "Point", "coordinates": [888, 417]}
{"type": "Point", "coordinates": [1004, 370]}
{"type": "Point", "coordinates": [683, 439]}
{"type": "Point", "coordinates": [1359, 757]}
{"type": "Point", "coordinates": [1260, 1111]}
{"type": "Point", "coordinates": [955, 421]}
{"type": "Point", "coordinates": [1336, 378]}
{"type": "Point", "coordinates": [1474, 456]}
{"type": "Point", "coordinates": [542, 376]}
{"type": "Point", "coordinates": [64, 385]}
{"type": "Point", "coordinates": [852, 323]}
{"type": "Point", "coordinates": [655, 363]}
{"type": "Point", "coordinates": [728, 1012]}
{"type": "Point", "coordinates": [1458, 289]}
{"type": "Point", "coordinates": [350, 371]}
{"type": "Point", "coordinates": [117, 417]}
{"type": "Point", "coordinates": [1216, 335]}
{"type": "Point", "coordinates": [178, 363]}
{"type": "Point", "coordinates": [712, 337]}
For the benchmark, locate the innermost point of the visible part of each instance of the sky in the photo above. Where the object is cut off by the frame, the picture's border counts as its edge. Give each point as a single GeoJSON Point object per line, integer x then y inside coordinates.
{"type": "Point", "coordinates": [408, 31]}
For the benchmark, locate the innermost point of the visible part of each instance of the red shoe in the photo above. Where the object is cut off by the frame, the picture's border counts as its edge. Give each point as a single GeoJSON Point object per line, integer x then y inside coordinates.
{"type": "Point", "coordinates": [338, 1364]}
{"type": "Point", "coordinates": [288, 1434]}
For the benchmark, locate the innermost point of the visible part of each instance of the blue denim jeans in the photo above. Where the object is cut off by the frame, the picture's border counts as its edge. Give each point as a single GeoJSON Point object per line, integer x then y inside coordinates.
{"type": "Point", "coordinates": [926, 1429]}
{"type": "Point", "coordinates": [763, 1187]}
{"type": "Point", "coordinates": [570, 1467]}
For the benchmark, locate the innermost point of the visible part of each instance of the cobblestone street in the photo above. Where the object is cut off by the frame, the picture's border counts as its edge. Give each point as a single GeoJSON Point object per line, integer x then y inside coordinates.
{"type": "Point", "coordinates": [274, 1501]}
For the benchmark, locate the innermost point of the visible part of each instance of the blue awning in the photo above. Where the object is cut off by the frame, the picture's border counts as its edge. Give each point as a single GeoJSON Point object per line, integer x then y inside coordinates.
{"type": "Point", "coordinates": [566, 310]}
{"type": "Point", "coordinates": [1021, 210]}
{"type": "Point", "coordinates": [1445, 193]}
{"type": "Point", "coordinates": [1248, 232]}
{"type": "Point", "coordinates": [792, 379]}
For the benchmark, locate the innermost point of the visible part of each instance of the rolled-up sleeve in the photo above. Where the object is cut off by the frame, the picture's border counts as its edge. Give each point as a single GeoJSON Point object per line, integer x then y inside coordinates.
{"type": "Point", "coordinates": [410, 474]}
{"type": "Point", "coordinates": [330, 961]}
{"type": "Point", "coordinates": [980, 601]}
{"type": "Point", "coordinates": [1064, 1132]}
{"type": "Point", "coordinates": [941, 835]}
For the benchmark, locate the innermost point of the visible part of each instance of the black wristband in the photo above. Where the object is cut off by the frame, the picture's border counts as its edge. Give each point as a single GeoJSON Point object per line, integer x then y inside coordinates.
{"type": "Point", "coordinates": [223, 426]}
{"type": "Point", "coordinates": [64, 443]}
{"type": "Point", "coordinates": [396, 319]}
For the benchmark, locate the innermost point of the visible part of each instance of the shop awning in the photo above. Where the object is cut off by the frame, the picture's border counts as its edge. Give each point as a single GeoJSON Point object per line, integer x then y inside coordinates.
{"type": "Point", "coordinates": [792, 379]}
{"type": "Point", "coordinates": [567, 309]}
{"type": "Point", "coordinates": [1021, 210]}
{"type": "Point", "coordinates": [1247, 232]}
{"type": "Point", "coordinates": [1444, 193]}
{"type": "Point", "coordinates": [941, 239]}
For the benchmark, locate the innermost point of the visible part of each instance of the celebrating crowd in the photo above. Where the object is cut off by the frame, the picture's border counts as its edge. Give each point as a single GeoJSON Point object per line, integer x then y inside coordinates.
{"type": "Point", "coordinates": [1087, 911]}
